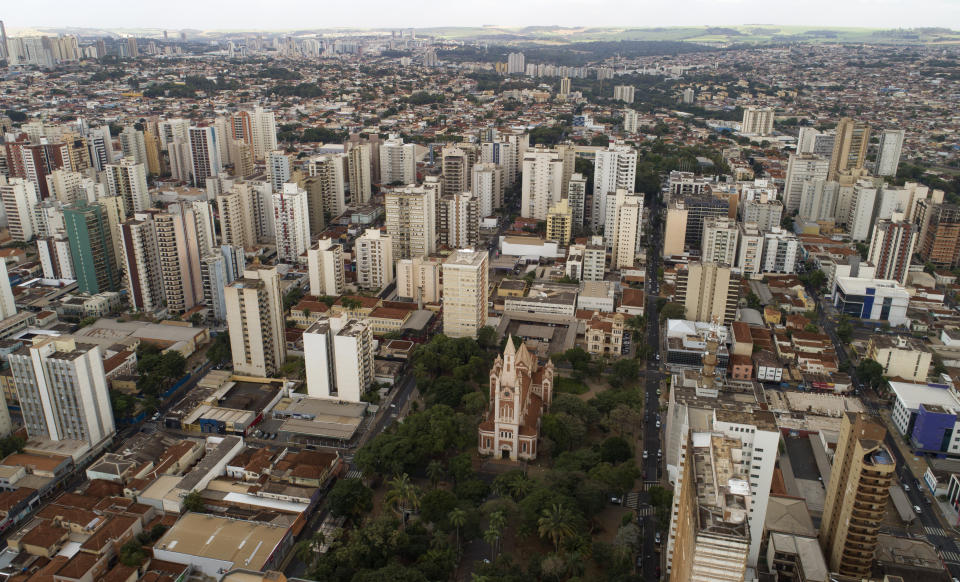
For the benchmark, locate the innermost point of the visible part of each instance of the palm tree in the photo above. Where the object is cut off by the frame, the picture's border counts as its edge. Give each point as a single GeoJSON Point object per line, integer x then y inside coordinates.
{"type": "Point", "coordinates": [556, 524]}
{"type": "Point", "coordinates": [403, 496]}
{"type": "Point", "coordinates": [458, 519]}
{"type": "Point", "coordinates": [435, 472]}
{"type": "Point", "coordinates": [492, 536]}
{"type": "Point", "coordinates": [520, 486]}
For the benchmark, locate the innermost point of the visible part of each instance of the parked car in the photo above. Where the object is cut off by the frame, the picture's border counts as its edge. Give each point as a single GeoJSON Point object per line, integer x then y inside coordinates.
{"type": "Point", "coordinates": [644, 454]}
{"type": "Point", "coordinates": [656, 538]}
{"type": "Point", "coordinates": [616, 500]}
{"type": "Point", "coordinates": [906, 487]}
{"type": "Point", "coordinates": [917, 510]}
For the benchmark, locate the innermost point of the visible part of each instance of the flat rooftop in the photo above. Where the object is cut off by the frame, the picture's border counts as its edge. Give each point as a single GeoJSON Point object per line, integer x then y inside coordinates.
{"type": "Point", "coordinates": [243, 543]}
{"type": "Point", "coordinates": [913, 395]}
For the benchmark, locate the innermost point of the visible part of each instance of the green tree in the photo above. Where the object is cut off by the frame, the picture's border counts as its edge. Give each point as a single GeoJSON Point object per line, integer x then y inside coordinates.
{"type": "Point", "coordinates": [672, 311]}
{"type": "Point", "coordinates": [132, 554]}
{"type": "Point", "coordinates": [458, 519]}
{"type": "Point", "coordinates": [626, 370]}
{"type": "Point", "coordinates": [220, 351]}
{"type": "Point", "coordinates": [871, 372]}
{"type": "Point", "coordinates": [350, 498]}
{"type": "Point", "coordinates": [193, 502]}
{"type": "Point", "coordinates": [435, 472]}
{"type": "Point", "coordinates": [556, 524]}
{"type": "Point", "coordinates": [487, 337]}
{"type": "Point", "coordinates": [615, 450]}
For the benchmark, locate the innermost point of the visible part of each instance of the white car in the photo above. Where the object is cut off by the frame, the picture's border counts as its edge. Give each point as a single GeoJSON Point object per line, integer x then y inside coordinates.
{"type": "Point", "coordinates": [644, 454]}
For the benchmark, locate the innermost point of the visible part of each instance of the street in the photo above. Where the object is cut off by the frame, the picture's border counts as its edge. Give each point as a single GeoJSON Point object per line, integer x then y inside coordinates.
{"type": "Point", "coordinates": [652, 376]}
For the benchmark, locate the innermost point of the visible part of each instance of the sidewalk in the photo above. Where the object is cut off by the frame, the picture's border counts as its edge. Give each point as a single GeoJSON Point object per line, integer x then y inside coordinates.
{"type": "Point", "coordinates": [918, 465]}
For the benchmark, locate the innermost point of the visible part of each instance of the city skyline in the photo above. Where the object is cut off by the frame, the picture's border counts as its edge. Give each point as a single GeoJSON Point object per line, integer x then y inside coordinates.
{"type": "Point", "coordinates": [104, 14]}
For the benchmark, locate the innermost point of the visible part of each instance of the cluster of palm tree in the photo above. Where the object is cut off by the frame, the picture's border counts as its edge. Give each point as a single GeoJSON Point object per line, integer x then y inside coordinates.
{"type": "Point", "coordinates": [515, 484]}
{"type": "Point", "coordinates": [494, 533]}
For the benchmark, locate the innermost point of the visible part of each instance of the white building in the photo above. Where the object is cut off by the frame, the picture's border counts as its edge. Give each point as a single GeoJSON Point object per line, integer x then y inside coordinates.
{"type": "Point", "coordinates": [818, 200]}
{"type": "Point", "coordinates": [720, 235]}
{"type": "Point", "coordinates": [263, 125]}
{"type": "Point", "coordinates": [488, 185]}
{"type": "Point", "coordinates": [750, 249]}
{"type": "Point", "coordinates": [279, 168]}
{"type": "Point", "coordinates": [631, 120]}
{"type": "Point", "coordinates": [625, 227]}
{"type": "Point", "coordinates": [291, 216]}
{"type": "Point", "coordinates": [542, 182]}
{"type": "Point", "coordinates": [398, 162]}
{"type": "Point", "coordinates": [465, 291]}
{"type": "Point", "coordinates": [781, 250]}
{"type": "Point", "coordinates": [19, 197]}
{"type": "Point", "coordinates": [325, 267]}
{"type": "Point", "coordinates": [757, 121]}
{"type": "Point", "coordinates": [872, 299]}
{"type": "Point", "coordinates": [759, 439]}
{"type": "Point", "coordinates": [860, 218]}
{"type": "Point", "coordinates": [7, 306]}
{"type": "Point", "coordinates": [373, 254]}
{"type": "Point", "coordinates": [615, 168]}
{"type": "Point", "coordinates": [419, 279]}
{"type": "Point", "coordinates": [327, 184]}
{"type": "Point", "coordinates": [204, 155]}
{"type": "Point", "coordinates": [128, 180]}
{"type": "Point", "coordinates": [411, 220]}
{"type": "Point", "coordinates": [623, 93]}
{"type": "Point", "coordinates": [516, 64]}
{"type": "Point", "coordinates": [141, 264]}
{"type": "Point", "coordinates": [800, 169]}
{"type": "Point", "coordinates": [255, 320]}
{"type": "Point", "coordinates": [63, 391]}
{"type": "Point", "coordinates": [339, 358]}
{"type": "Point", "coordinates": [888, 152]}
{"type": "Point", "coordinates": [359, 173]}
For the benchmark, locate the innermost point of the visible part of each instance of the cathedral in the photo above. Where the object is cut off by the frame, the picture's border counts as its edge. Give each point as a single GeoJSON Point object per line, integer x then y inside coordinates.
{"type": "Point", "coordinates": [520, 392]}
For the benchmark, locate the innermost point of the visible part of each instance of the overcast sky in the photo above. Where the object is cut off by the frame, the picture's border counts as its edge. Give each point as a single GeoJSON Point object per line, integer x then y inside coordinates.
{"type": "Point", "coordinates": [300, 14]}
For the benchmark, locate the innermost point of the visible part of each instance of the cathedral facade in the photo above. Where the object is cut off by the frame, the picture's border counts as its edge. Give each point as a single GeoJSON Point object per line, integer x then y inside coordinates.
{"type": "Point", "coordinates": [520, 392]}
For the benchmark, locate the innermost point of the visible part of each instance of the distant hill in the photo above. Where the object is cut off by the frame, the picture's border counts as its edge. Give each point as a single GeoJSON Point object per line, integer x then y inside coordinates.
{"type": "Point", "coordinates": [558, 36]}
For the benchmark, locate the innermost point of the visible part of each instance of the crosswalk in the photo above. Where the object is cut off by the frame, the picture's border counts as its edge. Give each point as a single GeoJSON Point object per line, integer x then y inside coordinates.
{"type": "Point", "coordinates": [632, 500]}
{"type": "Point", "coordinates": [951, 557]}
{"type": "Point", "coordinates": [645, 511]}
{"type": "Point", "coordinates": [936, 531]}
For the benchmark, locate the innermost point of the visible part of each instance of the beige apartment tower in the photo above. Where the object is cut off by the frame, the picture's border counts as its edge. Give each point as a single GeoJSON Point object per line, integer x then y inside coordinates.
{"type": "Point", "coordinates": [411, 220]}
{"type": "Point", "coordinates": [236, 216]}
{"type": "Point", "coordinates": [857, 494]}
{"type": "Point", "coordinates": [675, 232]}
{"type": "Point", "coordinates": [255, 320]}
{"type": "Point", "coordinates": [849, 148]}
{"type": "Point", "coordinates": [709, 292]}
{"type": "Point", "coordinates": [465, 287]}
{"type": "Point", "coordinates": [560, 222]}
